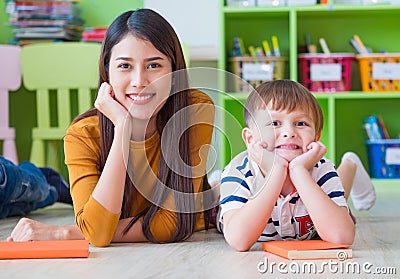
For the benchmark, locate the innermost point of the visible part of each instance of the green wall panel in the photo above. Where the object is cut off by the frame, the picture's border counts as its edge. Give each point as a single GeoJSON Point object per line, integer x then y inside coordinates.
{"type": "Point", "coordinates": [22, 101]}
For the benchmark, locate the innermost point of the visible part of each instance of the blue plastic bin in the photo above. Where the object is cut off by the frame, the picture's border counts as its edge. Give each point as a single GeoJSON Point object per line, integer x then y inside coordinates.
{"type": "Point", "coordinates": [377, 158]}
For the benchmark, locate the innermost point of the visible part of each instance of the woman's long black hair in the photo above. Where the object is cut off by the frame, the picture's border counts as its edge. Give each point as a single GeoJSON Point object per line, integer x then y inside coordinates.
{"type": "Point", "coordinates": [149, 25]}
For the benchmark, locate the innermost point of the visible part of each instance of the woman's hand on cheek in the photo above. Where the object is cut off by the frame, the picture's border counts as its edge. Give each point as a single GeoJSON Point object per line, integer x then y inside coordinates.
{"type": "Point", "coordinates": [110, 107]}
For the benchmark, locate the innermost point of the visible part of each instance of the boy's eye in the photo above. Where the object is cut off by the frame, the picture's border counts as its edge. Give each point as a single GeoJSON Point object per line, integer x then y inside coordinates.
{"type": "Point", "coordinates": [301, 123]}
{"type": "Point", "coordinates": [273, 123]}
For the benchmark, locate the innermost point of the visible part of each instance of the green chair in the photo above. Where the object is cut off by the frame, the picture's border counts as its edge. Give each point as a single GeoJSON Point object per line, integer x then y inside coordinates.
{"type": "Point", "coordinates": [63, 75]}
{"type": "Point", "coordinates": [186, 53]}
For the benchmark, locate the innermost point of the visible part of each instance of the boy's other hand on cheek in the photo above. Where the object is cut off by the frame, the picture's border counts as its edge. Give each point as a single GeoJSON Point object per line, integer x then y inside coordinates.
{"type": "Point", "coordinates": [316, 150]}
{"type": "Point", "coordinates": [264, 158]}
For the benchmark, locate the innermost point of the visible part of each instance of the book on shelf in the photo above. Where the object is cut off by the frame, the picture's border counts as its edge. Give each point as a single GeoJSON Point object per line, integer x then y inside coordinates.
{"type": "Point", "coordinates": [375, 128]}
{"type": "Point", "coordinates": [44, 249]}
{"type": "Point", "coordinates": [358, 45]}
{"type": "Point", "coordinates": [308, 249]}
{"type": "Point", "coordinates": [40, 19]}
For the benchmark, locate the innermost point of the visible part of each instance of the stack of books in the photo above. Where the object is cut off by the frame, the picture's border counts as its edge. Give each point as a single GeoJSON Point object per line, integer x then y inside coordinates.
{"type": "Point", "coordinates": [308, 249]}
{"type": "Point", "coordinates": [45, 20]}
{"type": "Point", "coordinates": [94, 34]}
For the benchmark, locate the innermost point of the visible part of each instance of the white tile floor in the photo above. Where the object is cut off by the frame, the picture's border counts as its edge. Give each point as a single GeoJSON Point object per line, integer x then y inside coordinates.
{"type": "Point", "coordinates": [206, 254]}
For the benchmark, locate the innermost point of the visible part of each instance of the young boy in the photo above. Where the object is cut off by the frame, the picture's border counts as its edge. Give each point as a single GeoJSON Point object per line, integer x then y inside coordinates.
{"type": "Point", "coordinates": [282, 187]}
{"type": "Point", "coordinates": [25, 187]}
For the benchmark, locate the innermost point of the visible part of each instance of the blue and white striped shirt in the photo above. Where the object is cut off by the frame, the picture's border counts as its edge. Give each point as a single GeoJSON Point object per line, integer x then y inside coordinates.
{"type": "Point", "coordinates": [240, 181]}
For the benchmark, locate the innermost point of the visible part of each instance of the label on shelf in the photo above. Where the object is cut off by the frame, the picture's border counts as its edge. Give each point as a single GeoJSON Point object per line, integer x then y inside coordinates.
{"type": "Point", "coordinates": [257, 71]}
{"type": "Point", "coordinates": [386, 71]}
{"type": "Point", "coordinates": [326, 72]}
{"type": "Point", "coordinates": [392, 156]}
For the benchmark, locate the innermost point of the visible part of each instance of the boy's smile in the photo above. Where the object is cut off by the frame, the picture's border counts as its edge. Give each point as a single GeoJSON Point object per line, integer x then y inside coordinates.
{"type": "Point", "coordinates": [286, 133]}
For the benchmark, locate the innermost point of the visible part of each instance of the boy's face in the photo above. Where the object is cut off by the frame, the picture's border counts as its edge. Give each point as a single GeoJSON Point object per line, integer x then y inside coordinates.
{"type": "Point", "coordinates": [288, 134]}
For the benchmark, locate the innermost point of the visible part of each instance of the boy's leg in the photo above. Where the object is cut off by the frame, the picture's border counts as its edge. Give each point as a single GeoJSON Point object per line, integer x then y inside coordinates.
{"type": "Point", "coordinates": [362, 191]}
{"type": "Point", "coordinates": [347, 171]}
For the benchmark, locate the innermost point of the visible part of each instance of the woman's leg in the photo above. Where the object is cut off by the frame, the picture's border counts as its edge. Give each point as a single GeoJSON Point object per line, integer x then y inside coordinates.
{"type": "Point", "coordinates": [22, 188]}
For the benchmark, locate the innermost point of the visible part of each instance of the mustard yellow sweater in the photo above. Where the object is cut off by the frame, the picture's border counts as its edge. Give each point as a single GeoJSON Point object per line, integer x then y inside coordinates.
{"type": "Point", "coordinates": [82, 156]}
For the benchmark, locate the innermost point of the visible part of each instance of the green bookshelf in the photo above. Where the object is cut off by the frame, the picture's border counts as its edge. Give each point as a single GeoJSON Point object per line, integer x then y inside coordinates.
{"type": "Point", "coordinates": [377, 26]}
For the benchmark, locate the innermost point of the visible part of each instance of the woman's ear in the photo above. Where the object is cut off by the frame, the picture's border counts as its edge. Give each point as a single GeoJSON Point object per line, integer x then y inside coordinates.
{"type": "Point", "coordinates": [318, 136]}
{"type": "Point", "coordinates": [247, 135]}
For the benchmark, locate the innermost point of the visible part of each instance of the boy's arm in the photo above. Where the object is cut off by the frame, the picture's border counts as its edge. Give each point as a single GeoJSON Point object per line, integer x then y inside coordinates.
{"type": "Point", "coordinates": [242, 227]}
{"type": "Point", "coordinates": [333, 222]}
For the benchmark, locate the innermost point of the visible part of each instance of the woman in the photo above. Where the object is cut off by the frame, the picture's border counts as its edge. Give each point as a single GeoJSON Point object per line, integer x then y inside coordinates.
{"type": "Point", "coordinates": [147, 121]}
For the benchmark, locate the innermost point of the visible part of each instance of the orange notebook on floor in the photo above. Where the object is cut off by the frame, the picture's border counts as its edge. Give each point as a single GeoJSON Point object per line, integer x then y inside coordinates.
{"type": "Point", "coordinates": [308, 249]}
{"type": "Point", "coordinates": [44, 249]}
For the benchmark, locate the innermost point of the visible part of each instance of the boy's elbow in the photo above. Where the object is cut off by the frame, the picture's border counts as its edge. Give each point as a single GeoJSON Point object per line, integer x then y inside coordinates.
{"type": "Point", "coordinates": [342, 238]}
{"type": "Point", "coordinates": [240, 247]}
{"type": "Point", "coordinates": [240, 244]}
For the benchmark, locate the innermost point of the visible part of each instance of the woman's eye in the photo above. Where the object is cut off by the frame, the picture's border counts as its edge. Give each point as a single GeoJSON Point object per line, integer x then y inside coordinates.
{"type": "Point", "coordinates": [153, 65]}
{"type": "Point", "coordinates": [125, 66]}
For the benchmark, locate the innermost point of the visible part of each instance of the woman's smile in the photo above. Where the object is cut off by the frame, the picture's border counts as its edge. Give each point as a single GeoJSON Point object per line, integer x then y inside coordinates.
{"type": "Point", "coordinates": [141, 99]}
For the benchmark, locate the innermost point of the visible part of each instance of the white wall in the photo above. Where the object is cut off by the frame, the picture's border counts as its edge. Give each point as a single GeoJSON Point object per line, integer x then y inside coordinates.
{"type": "Point", "coordinates": [195, 21]}
{"type": "Point", "coordinates": [197, 24]}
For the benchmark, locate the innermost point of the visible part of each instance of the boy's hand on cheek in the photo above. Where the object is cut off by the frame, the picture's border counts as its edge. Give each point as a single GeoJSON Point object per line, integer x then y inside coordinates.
{"type": "Point", "coordinates": [263, 157]}
{"type": "Point", "coordinates": [307, 160]}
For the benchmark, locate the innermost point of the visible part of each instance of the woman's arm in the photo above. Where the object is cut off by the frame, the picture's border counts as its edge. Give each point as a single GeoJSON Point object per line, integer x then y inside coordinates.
{"type": "Point", "coordinates": [97, 194]}
{"type": "Point", "coordinates": [29, 230]}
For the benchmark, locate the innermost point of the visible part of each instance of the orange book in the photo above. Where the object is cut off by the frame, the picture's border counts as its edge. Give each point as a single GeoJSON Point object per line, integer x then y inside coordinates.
{"type": "Point", "coordinates": [44, 249]}
{"type": "Point", "coordinates": [308, 249]}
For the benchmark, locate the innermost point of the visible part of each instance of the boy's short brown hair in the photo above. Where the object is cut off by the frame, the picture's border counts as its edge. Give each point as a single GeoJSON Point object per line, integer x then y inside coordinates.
{"type": "Point", "coordinates": [284, 95]}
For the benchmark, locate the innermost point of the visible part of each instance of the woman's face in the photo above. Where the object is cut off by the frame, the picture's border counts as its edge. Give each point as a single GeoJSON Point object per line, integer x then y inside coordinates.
{"type": "Point", "coordinates": [135, 72]}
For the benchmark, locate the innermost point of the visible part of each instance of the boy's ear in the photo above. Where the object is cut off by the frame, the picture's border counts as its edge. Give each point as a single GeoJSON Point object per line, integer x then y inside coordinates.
{"type": "Point", "coordinates": [318, 136]}
{"type": "Point", "coordinates": [247, 135]}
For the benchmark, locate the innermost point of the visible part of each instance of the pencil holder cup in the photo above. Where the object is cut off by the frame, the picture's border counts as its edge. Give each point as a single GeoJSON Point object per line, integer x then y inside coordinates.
{"type": "Point", "coordinates": [384, 158]}
{"type": "Point", "coordinates": [252, 71]}
{"type": "Point", "coordinates": [379, 72]}
{"type": "Point", "coordinates": [326, 72]}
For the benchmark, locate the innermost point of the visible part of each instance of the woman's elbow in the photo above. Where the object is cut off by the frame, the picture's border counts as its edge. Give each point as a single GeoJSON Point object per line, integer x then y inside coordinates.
{"type": "Point", "coordinates": [98, 238]}
{"type": "Point", "coordinates": [99, 242]}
